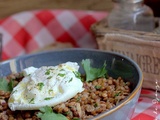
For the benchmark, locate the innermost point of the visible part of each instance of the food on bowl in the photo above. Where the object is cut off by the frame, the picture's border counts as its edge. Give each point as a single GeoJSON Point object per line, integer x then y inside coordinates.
{"type": "Point", "coordinates": [46, 86]}
{"type": "Point", "coordinates": [95, 93]}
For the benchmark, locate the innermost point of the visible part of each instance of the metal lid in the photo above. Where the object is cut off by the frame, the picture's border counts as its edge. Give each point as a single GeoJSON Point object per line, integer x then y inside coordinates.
{"type": "Point", "coordinates": [128, 1]}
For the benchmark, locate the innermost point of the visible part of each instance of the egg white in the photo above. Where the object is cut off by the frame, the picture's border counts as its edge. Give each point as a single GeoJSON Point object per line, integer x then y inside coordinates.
{"type": "Point", "coordinates": [46, 86]}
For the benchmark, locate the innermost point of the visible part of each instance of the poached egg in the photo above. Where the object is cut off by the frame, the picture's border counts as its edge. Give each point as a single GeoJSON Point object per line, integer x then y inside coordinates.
{"type": "Point", "coordinates": [46, 86]}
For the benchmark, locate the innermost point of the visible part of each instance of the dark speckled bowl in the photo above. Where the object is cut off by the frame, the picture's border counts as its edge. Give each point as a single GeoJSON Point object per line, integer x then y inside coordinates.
{"type": "Point", "coordinates": [117, 65]}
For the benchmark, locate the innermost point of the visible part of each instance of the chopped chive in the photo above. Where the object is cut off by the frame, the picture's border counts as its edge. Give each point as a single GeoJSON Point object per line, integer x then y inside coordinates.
{"type": "Point", "coordinates": [61, 75]}
{"type": "Point", "coordinates": [48, 98]}
{"type": "Point", "coordinates": [77, 74]}
{"type": "Point", "coordinates": [70, 80]}
{"type": "Point", "coordinates": [14, 91]}
{"type": "Point", "coordinates": [117, 94]}
{"type": "Point", "coordinates": [31, 101]}
{"type": "Point", "coordinates": [78, 98]}
{"type": "Point", "coordinates": [49, 77]}
{"type": "Point", "coordinates": [47, 72]}
{"type": "Point", "coordinates": [98, 87]}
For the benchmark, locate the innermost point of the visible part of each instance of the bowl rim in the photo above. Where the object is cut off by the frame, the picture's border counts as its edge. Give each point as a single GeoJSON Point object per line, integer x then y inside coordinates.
{"type": "Point", "coordinates": [106, 113]}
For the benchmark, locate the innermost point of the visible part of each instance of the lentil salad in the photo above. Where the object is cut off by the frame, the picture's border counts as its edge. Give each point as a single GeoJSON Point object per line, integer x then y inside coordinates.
{"type": "Point", "coordinates": [99, 95]}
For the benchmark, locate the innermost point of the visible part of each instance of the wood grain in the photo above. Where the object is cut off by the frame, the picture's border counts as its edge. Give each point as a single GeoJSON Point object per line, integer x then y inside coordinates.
{"type": "Point", "coordinates": [9, 7]}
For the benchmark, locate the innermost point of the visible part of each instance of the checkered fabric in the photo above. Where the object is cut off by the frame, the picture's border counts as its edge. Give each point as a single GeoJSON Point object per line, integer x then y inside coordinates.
{"type": "Point", "coordinates": [27, 31]}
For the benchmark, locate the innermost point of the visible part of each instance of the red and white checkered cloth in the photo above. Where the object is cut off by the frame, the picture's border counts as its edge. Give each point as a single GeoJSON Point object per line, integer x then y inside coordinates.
{"type": "Point", "coordinates": [28, 31]}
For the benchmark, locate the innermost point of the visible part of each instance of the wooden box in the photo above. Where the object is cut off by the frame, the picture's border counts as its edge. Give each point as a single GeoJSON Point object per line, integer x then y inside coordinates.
{"type": "Point", "coordinates": [142, 47]}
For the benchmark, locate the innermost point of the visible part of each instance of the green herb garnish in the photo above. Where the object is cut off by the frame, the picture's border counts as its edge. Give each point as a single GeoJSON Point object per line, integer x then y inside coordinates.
{"type": "Point", "coordinates": [46, 113]}
{"type": "Point", "coordinates": [47, 72]}
{"type": "Point", "coordinates": [93, 73]}
{"type": "Point", "coordinates": [40, 86]}
{"type": "Point", "coordinates": [50, 91]}
{"type": "Point", "coordinates": [98, 87]}
{"type": "Point", "coordinates": [6, 86]}
{"type": "Point", "coordinates": [49, 77]}
{"type": "Point", "coordinates": [31, 101]}
{"type": "Point", "coordinates": [14, 91]}
{"type": "Point", "coordinates": [61, 75]}
{"type": "Point", "coordinates": [78, 99]}
{"type": "Point", "coordinates": [95, 105]}
{"type": "Point", "coordinates": [11, 85]}
{"type": "Point", "coordinates": [66, 113]}
{"type": "Point", "coordinates": [77, 74]}
{"type": "Point", "coordinates": [70, 80]}
{"type": "Point", "coordinates": [117, 94]}
{"type": "Point", "coordinates": [48, 98]}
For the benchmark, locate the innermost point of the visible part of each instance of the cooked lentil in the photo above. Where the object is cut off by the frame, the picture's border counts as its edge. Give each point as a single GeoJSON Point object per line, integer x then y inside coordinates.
{"type": "Point", "coordinates": [99, 95]}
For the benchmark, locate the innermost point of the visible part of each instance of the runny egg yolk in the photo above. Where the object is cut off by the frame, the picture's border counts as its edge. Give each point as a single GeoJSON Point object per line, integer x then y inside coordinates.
{"type": "Point", "coordinates": [46, 86]}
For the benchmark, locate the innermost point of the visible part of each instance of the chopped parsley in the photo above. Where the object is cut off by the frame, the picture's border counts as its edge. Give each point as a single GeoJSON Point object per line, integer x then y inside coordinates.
{"type": "Point", "coordinates": [50, 91]}
{"type": "Point", "coordinates": [95, 105]}
{"type": "Point", "coordinates": [40, 85]}
{"type": "Point", "coordinates": [47, 72]}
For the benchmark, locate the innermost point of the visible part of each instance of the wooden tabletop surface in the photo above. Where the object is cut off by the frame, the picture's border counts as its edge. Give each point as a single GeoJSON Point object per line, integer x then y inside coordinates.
{"type": "Point", "coordinates": [9, 7]}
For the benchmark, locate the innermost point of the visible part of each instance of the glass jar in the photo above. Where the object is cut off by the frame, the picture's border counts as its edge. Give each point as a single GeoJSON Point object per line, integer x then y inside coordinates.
{"type": "Point", "coordinates": [131, 15]}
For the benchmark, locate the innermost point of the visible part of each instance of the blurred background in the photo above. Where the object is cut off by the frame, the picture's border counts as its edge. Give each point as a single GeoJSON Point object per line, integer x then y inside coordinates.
{"type": "Point", "coordinates": [8, 7]}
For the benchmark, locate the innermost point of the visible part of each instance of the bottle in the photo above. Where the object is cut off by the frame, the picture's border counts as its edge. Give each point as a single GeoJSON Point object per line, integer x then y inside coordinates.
{"type": "Point", "coordinates": [131, 15]}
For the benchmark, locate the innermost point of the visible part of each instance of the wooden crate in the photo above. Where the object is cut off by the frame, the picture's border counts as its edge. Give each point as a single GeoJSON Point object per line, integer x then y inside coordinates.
{"type": "Point", "coordinates": [142, 47]}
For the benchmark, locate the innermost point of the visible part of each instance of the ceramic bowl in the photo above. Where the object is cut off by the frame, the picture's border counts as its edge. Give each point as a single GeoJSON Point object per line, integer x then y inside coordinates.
{"type": "Point", "coordinates": [117, 65]}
